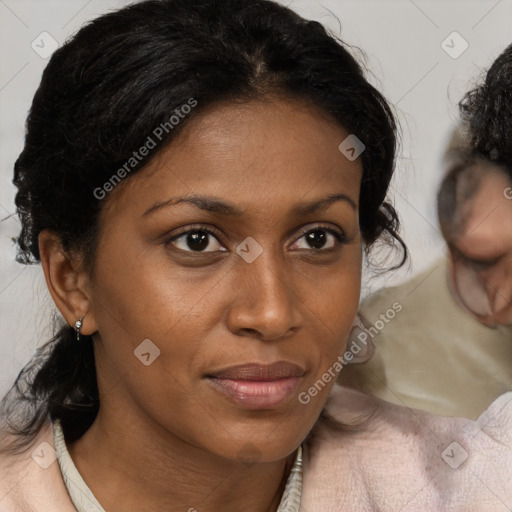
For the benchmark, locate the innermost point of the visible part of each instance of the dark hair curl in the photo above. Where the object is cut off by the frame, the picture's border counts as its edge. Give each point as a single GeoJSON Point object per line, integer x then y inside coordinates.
{"type": "Point", "coordinates": [487, 112]}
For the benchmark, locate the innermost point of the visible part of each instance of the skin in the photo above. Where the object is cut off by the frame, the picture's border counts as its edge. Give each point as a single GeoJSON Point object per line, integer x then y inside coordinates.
{"type": "Point", "coordinates": [165, 438]}
{"type": "Point", "coordinates": [480, 275]}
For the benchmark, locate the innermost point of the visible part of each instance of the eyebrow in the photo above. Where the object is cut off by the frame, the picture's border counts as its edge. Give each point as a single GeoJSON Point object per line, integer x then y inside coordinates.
{"type": "Point", "coordinates": [215, 205]}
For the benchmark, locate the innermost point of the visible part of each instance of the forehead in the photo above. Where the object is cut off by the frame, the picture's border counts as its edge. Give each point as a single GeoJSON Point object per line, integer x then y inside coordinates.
{"type": "Point", "coordinates": [276, 149]}
{"type": "Point", "coordinates": [487, 218]}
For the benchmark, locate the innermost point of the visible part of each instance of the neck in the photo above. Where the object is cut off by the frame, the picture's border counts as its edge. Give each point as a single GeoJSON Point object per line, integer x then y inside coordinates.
{"type": "Point", "coordinates": [150, 469]}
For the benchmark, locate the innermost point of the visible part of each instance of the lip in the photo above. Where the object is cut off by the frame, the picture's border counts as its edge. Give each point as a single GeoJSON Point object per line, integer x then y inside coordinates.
{"type": "Point", "coordinates": [260, 372]}
{"type": "Point", "coordinates": [257, 386]}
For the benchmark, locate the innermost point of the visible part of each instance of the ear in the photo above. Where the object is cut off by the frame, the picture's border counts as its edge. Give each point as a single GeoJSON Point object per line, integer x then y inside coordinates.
{"type": "Point", "coordinates": [360, 340]}
{"type": "Point", "coordinates": [67, 282]}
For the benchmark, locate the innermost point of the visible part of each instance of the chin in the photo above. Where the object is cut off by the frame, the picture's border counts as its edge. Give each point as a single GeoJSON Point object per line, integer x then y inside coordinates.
{"type": "Point", "coordinates": [258, 449]}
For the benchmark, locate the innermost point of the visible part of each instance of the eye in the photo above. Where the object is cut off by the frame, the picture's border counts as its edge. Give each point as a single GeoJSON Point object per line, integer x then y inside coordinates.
{"type": "Point", "coordinates": [201, 239]}
{"type": "Point", "coordinates": [479, 265]}
{"type": "Point", "coordinates": [320, 238]}
{"type": "Point", "coordinates": [204, 239]}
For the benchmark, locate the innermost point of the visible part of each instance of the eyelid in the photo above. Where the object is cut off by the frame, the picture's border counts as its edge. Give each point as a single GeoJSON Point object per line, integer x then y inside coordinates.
{"type": "Point", "coordinates": [337, 233]}
{"type": "Point", "coordinates": [194, 228]}
{"type": "Point", "coordinates": [480, 263]}
{"type": "Point", "coordinates": [197, 227]}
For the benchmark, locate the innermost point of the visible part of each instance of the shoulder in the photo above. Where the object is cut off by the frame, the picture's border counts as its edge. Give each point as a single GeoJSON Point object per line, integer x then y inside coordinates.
{"type": "Point", "coordinates": [31, 480]}
{"type": "Point", "coordinates": [391, 457]}
{"type": "Point", "coordinates": [430, 279]}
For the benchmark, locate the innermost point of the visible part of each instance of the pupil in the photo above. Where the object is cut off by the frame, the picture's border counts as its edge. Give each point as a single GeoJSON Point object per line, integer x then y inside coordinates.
{"type": "Point", "coordinates": [198, 240]}
{"type": "Point", "coordinates": [316, 239]}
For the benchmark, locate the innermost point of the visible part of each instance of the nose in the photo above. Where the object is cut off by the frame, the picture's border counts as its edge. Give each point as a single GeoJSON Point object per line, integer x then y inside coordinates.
{"type": "Point", "coordinates": [265, 303]}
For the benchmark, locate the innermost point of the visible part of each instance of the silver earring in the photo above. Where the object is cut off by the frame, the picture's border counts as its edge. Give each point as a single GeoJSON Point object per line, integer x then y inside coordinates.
{"type": "Point", "coordinates": [78, 328]}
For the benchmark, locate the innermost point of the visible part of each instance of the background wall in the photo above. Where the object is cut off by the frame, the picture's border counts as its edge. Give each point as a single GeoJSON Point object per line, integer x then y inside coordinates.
{"type": "Point", "coordinates": [411, 51]}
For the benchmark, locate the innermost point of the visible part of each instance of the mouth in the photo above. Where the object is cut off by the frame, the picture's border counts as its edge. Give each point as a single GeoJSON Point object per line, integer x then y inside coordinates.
{"type": "Point", "coordinates": [256, 386]}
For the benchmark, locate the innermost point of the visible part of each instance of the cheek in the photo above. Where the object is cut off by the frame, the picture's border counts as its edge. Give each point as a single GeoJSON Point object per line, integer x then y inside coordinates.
{"type": "Point", "coordinates": [152, 323]}
{"type": "Point", "coordinates": [151, 317]}
{"type": "Point", "coordinates": [141, 286]}
{"type": "Point", "coordinates": [332, 298]}
{"type": "Point", "coordinates": [141, 294]}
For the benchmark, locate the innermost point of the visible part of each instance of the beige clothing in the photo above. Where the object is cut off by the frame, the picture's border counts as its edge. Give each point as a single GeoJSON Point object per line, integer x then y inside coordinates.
{"type": "Point", "coordinates": [431, 355]}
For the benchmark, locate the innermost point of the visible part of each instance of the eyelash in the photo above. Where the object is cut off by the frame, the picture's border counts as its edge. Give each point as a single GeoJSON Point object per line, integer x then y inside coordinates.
{"type": "Point", "coordinates": [480, 265]}
{"type": "Point", "coordinates": [339, 237]}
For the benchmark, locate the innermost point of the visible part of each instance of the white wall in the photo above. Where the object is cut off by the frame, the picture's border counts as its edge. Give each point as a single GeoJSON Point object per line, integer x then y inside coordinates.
{"type": "Point", "coordinates": [402, 42]}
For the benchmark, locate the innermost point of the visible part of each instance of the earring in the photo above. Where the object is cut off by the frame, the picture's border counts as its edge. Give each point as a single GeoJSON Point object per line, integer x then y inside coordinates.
{"type": "Point", "coordinates": [78, 328]}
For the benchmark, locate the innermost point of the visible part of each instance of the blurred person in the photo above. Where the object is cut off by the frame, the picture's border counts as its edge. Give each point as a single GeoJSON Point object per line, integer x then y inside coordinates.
{"type": "Point", "coordinates": [448, 349]}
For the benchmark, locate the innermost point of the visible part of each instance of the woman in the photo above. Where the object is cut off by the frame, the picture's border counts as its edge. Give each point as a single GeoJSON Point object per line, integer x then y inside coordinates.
{"type": "Point", "coordinates": [199, 181]}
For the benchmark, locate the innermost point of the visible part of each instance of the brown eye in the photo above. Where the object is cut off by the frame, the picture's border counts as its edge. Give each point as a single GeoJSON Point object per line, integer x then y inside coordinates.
{"type": "Point", "coordinates": [197, 240]}
{"type": "Point", "coordinates": [320, 238]}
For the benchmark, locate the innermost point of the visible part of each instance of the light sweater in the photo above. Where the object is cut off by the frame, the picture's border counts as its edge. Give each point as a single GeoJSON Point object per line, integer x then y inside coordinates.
{"type": "Point", "coordinates": [388, 458]}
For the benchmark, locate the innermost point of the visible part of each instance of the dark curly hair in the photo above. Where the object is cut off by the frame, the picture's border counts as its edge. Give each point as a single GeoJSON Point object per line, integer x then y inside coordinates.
{"type": "Point", "coordinates": [107, 88]}
{"type": "Point", "coordinates": [487, 112]}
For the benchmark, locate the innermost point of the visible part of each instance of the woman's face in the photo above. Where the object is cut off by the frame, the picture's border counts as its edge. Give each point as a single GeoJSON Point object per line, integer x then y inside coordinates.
{"type": "Point", "coordinates": [227, 278]}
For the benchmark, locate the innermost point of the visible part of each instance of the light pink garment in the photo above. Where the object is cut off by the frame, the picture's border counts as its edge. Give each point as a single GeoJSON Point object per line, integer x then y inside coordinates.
{"type": "Point", "coordinates": [393, 462]}
{"type": "Point", "coordinates": [405, 460]}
